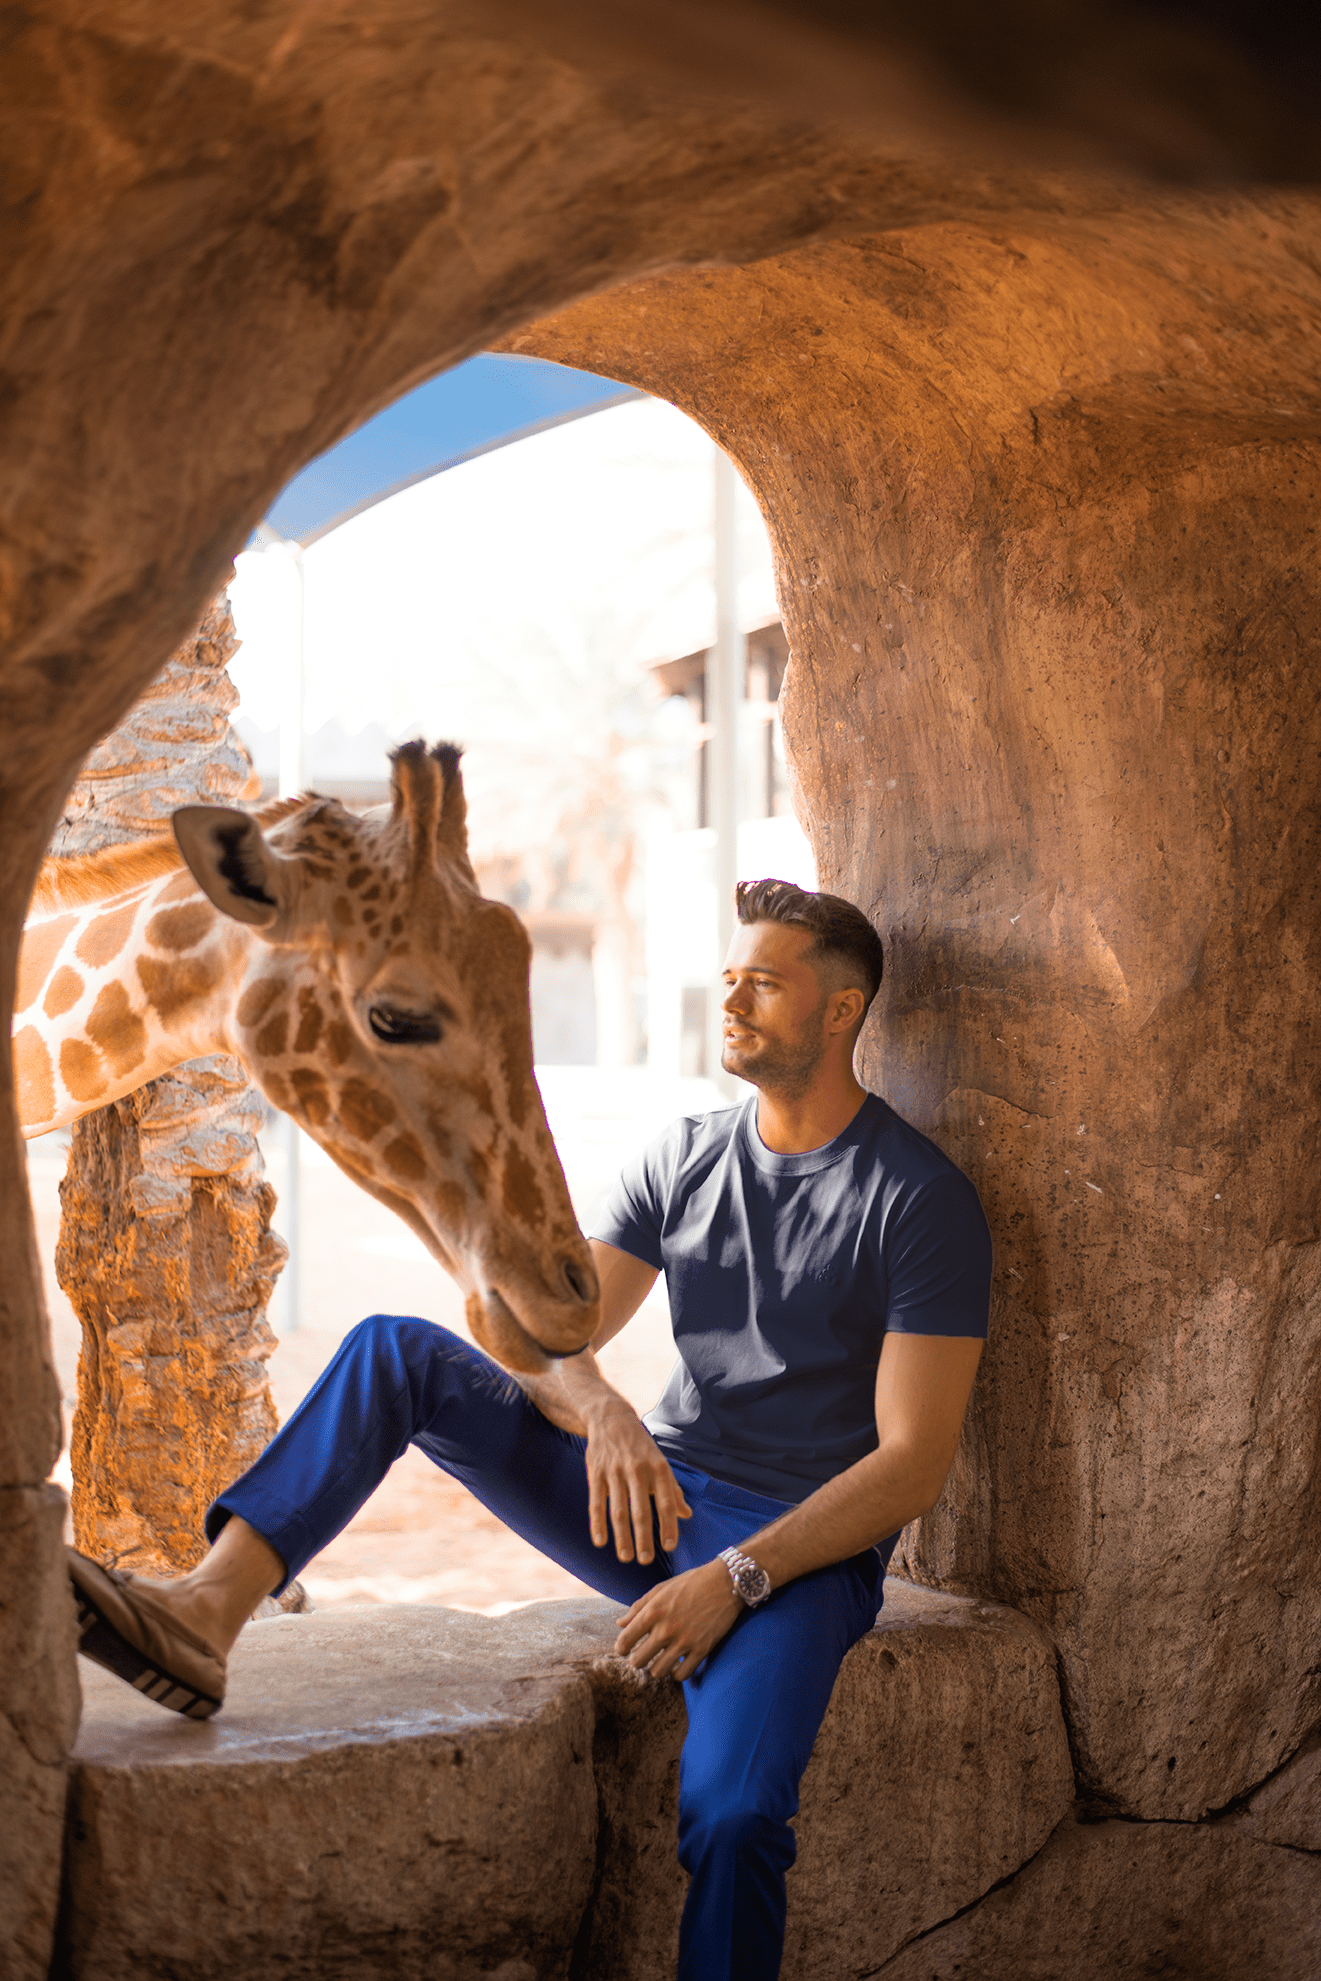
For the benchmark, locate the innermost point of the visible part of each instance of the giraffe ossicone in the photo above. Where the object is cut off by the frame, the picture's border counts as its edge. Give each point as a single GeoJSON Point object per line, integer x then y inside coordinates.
{"type": "Point", "coordinates": [354, 966]}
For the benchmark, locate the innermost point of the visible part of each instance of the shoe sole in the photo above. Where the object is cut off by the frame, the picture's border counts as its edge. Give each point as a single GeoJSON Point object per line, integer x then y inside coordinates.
{"type": "Point", "coordinates": [101, 1642]}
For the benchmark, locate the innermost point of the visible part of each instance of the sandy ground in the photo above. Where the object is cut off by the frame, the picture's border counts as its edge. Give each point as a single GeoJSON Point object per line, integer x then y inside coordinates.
{"type": "Point", "coordinates": [422, 1537]}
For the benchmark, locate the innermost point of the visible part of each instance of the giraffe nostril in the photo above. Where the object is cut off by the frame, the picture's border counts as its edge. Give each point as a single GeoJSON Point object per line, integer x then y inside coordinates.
{"type": "Point", "coordinates": [580, 1281]}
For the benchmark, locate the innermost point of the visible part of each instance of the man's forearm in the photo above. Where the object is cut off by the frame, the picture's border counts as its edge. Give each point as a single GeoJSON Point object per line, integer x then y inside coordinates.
{"type": "Point", "coordinates": [573, 1392]}
{"type": "Point", "coordinates": [626, 1474]}
{"type": "Point", "coordinates": [872, 1499]}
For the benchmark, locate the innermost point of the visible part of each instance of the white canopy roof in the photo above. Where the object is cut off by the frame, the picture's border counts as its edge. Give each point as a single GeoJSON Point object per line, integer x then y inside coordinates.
{"type": "Point", "coordinates": [591, 539]}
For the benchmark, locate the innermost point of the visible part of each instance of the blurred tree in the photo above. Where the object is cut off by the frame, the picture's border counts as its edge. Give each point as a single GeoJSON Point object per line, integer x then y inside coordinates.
{"type": "Point", "coordinates": [574, 757]}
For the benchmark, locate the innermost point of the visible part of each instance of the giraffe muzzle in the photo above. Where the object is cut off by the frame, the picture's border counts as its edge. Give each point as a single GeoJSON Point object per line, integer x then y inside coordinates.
{"type": "Point", "coordinates": [497, 1329]}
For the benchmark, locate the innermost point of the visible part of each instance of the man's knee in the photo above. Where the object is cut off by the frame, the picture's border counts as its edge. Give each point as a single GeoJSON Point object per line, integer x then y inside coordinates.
{"type": "Point", "coordinates": [395, 1350]}
{"type": "Point", "coordinates": [734, 1829]}
{"type": "Point", "coordinates": [393, 1336]}
{"type": "Point", "coordinates": [399, 1352]}
{"type": "Point", "coordinates": [375, 1339]}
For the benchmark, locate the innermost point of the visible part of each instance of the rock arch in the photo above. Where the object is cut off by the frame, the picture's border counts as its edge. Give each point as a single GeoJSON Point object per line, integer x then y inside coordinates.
{"type": "Point", "coordinates": [1032, 433]}
{"type": "Point", "coordinates": [1037, 494]}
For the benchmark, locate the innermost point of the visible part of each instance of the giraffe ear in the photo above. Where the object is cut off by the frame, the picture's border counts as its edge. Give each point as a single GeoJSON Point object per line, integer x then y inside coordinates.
{"type": "Point", "coordinates": [227, 855]}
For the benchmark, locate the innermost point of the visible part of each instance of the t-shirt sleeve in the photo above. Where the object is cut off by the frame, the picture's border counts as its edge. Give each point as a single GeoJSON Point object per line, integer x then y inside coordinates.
{"type": "Point", "coordinates": [938, 1260]}
{"type": "Point", "coordinates": [633, 1213]}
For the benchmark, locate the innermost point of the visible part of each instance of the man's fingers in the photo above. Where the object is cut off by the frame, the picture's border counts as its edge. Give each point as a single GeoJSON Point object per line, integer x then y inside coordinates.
{"type": "Point", "coordinates": [631, 1500]}
{"type": "Point", "coordinates": [649, 1636]}
{"type": "Point", "coordinates": [653, 1650]}
{"type": "Point", "coordinates": [619, 1517]}
{"type": "Point", "coordinates": [596, 1505]}
{"type": "Point", "coordinates": [646, 1618]}
{"type": "Point", "coordinates": [671, 1508]}
{"type": "Point", "coordinates": [667, 1523]}
{"type": "Point", "coordinates": [665, 1660]}
{"type": "Point", "coordinates": [662, 1661]}
{"type": "Point", "coordinates": [640, 1507]}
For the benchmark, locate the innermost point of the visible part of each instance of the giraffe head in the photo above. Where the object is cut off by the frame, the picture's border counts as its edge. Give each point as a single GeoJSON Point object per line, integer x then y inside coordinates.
{"type": "Point", "coordinates": [384, 1005]}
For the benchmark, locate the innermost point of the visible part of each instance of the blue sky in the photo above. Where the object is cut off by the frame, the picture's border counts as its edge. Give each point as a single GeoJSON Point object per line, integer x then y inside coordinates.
{"type": "Point", "coordinates": [465, 410]}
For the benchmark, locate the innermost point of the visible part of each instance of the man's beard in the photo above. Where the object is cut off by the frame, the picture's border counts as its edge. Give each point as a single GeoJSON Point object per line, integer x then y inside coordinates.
{"type": "Point", "coordinates": [785, 1068]}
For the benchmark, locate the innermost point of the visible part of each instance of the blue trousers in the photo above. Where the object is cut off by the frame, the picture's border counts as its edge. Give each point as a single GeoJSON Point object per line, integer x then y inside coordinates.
{"type": "Point", "coordinates": [754, 1706]}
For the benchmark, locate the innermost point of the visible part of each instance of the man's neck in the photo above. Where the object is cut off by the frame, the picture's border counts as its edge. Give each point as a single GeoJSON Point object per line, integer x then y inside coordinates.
{"type": "Point", "coordinates": [793, 1124]}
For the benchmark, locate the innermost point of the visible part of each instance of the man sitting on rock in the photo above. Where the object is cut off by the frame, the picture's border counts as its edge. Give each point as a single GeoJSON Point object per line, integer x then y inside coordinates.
{"type": "Point", "coordinates": [828, 1272]}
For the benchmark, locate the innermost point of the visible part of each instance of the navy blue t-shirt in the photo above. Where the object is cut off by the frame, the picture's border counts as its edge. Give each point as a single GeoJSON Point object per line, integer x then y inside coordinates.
{"type": "Point", "coordinates": [784, 1273]}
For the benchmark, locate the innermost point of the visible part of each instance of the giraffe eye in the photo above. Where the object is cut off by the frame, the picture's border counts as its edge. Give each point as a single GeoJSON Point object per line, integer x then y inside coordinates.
{"type": "Point", "coordinates": [404, 1028]}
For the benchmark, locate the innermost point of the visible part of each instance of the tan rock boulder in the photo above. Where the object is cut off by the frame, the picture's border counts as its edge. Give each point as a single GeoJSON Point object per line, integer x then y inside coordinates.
{"type": "Point", "coordinates": [416, 1791]}
{"type": "Point", "coordinates": [1287, 1808]}
{"type": "Point", "coordinates": [1119, 1901]}
{"type": "Point", "coordinates": [396, 1792]}
{"type": "Point", "coordinates": [942, 1766]}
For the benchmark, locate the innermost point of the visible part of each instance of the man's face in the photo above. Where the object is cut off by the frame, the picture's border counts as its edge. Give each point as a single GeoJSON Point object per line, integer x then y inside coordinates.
{"type": "Point", "coordinates": [774, 1009]}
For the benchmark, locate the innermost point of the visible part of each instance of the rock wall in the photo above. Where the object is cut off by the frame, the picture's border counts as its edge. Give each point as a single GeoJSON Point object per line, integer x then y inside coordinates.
{"type": "Point", "coordinates": [166, 1249]}
{"type": "Point", "coordinates": [232, 235]}
{"type": "Point", "coordinates": [1115, 1901]}
{"type": "Point", "coordinates": [1042, 501]}
{"type": "Point", "coordinates": [40, 1718]}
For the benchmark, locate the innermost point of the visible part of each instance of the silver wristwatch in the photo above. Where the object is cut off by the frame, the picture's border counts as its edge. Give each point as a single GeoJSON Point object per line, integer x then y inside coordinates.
{"type": "Point", "coordinates": [752, 1585]}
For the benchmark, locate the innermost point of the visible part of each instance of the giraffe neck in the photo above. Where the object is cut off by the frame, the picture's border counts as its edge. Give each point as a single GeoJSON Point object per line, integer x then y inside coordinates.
{"type": "Point", "coordinates": [115, 991]}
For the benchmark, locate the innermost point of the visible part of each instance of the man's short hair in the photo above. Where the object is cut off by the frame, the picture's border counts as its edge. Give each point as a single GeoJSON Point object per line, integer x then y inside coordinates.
{"type": "Point", "coordinates": [839, 930]}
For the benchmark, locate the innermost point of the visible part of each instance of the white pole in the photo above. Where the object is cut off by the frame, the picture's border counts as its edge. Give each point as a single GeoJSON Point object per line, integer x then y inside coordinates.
{"type": "Point", "coordinates": [292, 781]}
{"type": "Point", "coordinates": [725, 670]}
{"type": "Point", "coordinates": [292, 720]}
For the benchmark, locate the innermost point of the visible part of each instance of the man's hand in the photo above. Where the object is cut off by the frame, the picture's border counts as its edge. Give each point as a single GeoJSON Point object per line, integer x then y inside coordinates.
{"type": "Point", "coordinates": [673, 1627]}
{"type": "Point", "coordinates": [626, 1471]}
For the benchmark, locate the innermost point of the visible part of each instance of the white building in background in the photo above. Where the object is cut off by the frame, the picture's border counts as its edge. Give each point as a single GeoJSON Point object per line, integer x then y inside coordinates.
{"type": "Point", "coordinates": [682, 963]}
{"type": "Point", "coordinates": [520, 603]}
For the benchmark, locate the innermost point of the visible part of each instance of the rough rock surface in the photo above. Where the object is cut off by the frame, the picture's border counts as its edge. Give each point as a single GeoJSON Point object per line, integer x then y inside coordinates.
{"type": "Point", "coordinates": [1037, 497]}
{"type": "Point", "coordinates": [37, 1621]}
{"type": "Point", "coordinates": [167, 1255]}
{"type": "Point", "coordinates": [235, 233]}
{"type": "Point", "coordinates": [942, 1766]}
{"type": "Point", "coordinates": [38, 1684]}
{"type": "Point", "coordinates": [174, 747]}
{"type": "Point", "coordinates": [389, 1792]}
{"type": "Point", "coordinates": [166, 1249]}
{"type": "Point", "coordinates": [426, 1791]}
{"type": "Point", "coordinates": [1287, 1808]}
{"type": "Point", "coordinates": [1118, 1901]}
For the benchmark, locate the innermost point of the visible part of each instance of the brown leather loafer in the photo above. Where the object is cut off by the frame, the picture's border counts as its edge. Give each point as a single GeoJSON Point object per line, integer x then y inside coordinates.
{"type": "Point", "coordinates": [124, 1628]}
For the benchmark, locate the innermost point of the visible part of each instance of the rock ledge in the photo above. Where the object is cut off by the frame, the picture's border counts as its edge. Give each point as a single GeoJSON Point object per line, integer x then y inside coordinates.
{"type": "Point", "coordinates": [406, 1791]}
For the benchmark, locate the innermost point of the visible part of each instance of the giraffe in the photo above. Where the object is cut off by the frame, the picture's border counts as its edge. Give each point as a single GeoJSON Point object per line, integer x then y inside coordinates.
{"type": "Point", "coordinates": [354, 967]}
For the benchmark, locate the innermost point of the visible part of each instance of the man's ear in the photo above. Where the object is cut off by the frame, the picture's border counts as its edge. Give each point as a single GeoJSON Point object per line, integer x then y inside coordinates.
{"type": "Point", "coordinates": [850, 1006]}
{"type": "Point", "coordinates": [228, 857]}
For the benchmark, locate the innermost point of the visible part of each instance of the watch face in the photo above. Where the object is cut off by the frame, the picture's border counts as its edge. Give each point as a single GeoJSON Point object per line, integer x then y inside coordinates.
{"type": "Point", "coordinates": [753, 1584]}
